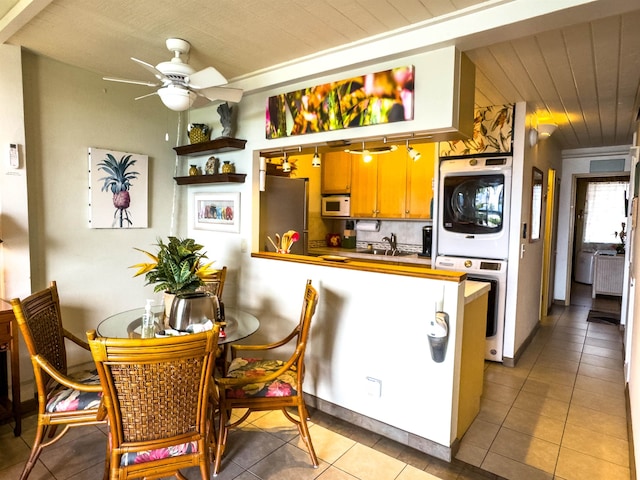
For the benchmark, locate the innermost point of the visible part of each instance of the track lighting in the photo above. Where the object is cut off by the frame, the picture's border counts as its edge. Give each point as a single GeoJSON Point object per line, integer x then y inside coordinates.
{"type": "Point", "coordinates": [315, 161]}
{"type": "Point", "coordinates": [413, 153]}
{"type": "Point", "coordinates": [286, 166]}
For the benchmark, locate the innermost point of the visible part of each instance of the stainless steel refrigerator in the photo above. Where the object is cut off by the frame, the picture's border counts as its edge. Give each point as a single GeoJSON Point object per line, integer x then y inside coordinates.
{"type": "Point", "coordinates": [284, 205]}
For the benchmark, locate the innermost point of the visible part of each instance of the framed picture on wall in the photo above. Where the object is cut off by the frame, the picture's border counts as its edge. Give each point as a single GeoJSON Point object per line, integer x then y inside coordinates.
{"type": "Point", "coordinates": [217, 211]}
{"type": "Point", "coordinates": [118, 189]}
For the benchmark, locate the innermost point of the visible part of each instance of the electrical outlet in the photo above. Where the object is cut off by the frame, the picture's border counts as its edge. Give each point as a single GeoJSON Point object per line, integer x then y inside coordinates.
{"type": "Point", "coordinates": [243, 245]}
{"type": "Point", "coordinates": [374, 387]}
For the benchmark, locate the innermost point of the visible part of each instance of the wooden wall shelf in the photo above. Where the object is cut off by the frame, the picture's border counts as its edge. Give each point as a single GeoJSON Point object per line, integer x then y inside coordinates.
{"type": "Point", "coordinates": [217, 178]}
{"type": "Point", "coordinates": [219, 145]}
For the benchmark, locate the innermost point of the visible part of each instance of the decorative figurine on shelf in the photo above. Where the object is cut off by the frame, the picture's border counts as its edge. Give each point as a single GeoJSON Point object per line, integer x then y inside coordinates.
{"type": "Point", "coordinates": [226, 119]}
{"type": "Point", "coordinates": [228, 167]}
{"type": "Point", "coordinates": [198, 132]}
{"type": "Point", "coordinates": [193, 171]}
{"type": "Point", "coordinates": [212, 166]}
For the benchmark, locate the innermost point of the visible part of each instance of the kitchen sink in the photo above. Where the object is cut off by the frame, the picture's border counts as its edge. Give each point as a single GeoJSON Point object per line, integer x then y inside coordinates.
{"type": "Point", "coordinates": [381, 252]}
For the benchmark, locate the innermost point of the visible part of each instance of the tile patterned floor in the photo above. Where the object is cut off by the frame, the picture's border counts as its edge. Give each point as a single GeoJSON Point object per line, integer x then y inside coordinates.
{"type": "Point", "coordinates": [559, 414]}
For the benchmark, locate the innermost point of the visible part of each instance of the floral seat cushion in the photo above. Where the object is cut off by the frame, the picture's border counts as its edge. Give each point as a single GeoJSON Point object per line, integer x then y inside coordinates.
{"type": "Point", "coordinates": [132, 458]}
{"type": "Point", "coordinates": [282, 386]}
{"type": "Point", "coordinates": [65, 399]}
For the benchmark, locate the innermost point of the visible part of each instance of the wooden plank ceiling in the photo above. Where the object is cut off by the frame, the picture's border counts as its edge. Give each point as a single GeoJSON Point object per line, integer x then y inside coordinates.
{"type": "Point", "coordinates": [583, 76]}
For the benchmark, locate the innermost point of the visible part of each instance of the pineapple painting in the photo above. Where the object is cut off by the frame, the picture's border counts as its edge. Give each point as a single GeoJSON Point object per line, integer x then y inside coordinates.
{"type": "Point", "coordinates": [118, 186]}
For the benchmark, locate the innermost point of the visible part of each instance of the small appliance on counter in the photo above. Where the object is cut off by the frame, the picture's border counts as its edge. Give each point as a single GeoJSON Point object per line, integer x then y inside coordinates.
{"type": "Point", "coordinates": [427, 236]}
{"type": "Point", "coordinates": [349, 237]}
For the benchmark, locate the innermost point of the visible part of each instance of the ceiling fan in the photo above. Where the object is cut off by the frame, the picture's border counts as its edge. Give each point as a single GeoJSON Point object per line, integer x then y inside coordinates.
{"type": "Point", "coordinates": [181, 86]}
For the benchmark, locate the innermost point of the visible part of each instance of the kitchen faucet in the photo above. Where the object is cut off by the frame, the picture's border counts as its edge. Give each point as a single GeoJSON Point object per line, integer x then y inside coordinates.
{"type": "Point", "coordinates": [392, 244]}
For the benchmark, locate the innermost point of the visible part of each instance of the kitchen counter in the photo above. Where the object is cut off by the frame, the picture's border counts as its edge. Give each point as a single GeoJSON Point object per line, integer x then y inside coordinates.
{"type": "Point", "coordinates": [361, 253]}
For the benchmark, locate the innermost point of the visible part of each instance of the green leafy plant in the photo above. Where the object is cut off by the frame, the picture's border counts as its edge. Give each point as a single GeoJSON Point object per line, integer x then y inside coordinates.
{"type": "Point", "coordinates": [177, 267]}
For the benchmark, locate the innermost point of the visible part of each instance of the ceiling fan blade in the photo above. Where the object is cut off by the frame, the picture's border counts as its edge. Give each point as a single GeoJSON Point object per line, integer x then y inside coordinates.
{"type": "Point", "coordinates": [135, 82]}
{"type": "Point", "coordinates": [200, 101]}
{"type": "Point", "coordinates": [222, 93]}
{"type": "Point", "coordinates": [147, 95]}
{"type": "Point", "coordinates": [205, 78]}
{"type": "Point", "coordinates": [147, 66]}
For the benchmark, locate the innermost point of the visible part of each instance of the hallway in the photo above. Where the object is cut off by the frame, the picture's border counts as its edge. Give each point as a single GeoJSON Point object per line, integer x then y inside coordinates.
{"type": "Point", "coordinates": [560, 413]}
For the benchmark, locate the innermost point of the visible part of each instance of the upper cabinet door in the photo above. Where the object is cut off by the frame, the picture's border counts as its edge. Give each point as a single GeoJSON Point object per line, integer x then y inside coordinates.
{"type": "Point", "coordinates": [336, 173]}
{"type": "Point", "coordinates": [392, 174]}
{"type": "Point", "coordinates": [364, 178]}
{"type": "Point", "coordinates": [420, 182]}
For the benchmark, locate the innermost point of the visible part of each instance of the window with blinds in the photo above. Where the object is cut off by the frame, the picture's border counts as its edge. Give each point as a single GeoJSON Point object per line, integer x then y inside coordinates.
{"type": "Point", "coordinates": [605, 211]}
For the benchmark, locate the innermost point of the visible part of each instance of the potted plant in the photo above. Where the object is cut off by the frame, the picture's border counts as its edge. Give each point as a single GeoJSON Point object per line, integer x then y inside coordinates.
{"type": "Point", "coordinates": [176, 268]}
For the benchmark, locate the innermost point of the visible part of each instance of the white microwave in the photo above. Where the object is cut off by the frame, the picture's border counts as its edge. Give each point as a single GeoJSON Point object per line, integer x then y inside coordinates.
{"type": "Point", "coordinates": [336, 206]}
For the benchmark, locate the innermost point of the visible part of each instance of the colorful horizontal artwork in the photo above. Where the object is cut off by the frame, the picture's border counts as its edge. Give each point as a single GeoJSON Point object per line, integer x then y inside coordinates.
{"type": "Point", "coordinates": [492, 133]}
{"type": "Point", "coordinates": [370, 99]}
{"type": "Point", "coordinates": [217, 211]}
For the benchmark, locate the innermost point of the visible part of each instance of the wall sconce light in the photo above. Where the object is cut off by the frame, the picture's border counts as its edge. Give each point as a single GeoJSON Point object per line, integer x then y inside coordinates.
{"type": "Point", "coordinates": [315, 161]}
{"type": "Point", "coordinates": [286, 166]}
{"type": "Point", "coordinates": [545, 130]}
{"type": "Point", "coordinates": [533, 137]}
{"type": "Point", "coordinates": [413, 153]}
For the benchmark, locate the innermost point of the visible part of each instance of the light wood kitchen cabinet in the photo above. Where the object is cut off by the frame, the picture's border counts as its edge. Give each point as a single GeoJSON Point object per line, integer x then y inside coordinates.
{"type": "Point", "coordinates": [336, 173]}
{"type": "Point", "coordinates": [392, 185]}
{"type": "Point", "coordinates": [378, 186]}
{"type": "Point", "coordinates": [420, 182]}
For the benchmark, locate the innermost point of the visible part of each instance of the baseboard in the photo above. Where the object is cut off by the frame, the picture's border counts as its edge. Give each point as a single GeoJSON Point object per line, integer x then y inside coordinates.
{"type": "Point", "coordinates": [511, 362]}
{"type": "Point", "coordinates": [632, 458]}
{"type": "Point", "coordinates": [388, 431]}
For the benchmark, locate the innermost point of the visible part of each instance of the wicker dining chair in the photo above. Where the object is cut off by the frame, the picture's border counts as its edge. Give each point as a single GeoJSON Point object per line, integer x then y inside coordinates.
{"type": "Point", "coordinates": [214, 285]}
{"type": "Point", "coordinates": [157, 394]}
{"type": "Point", "coordinates": [266, 384]}
{"type": "Point", "coordinates": [62, 400]}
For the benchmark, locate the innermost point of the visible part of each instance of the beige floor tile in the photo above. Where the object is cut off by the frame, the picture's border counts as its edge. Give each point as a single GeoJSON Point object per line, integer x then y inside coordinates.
{"type": "Point", "coordinates": [70, 458]}
{"type": "Point", "coordinates": [599, 445]}
{"type": "Point", "coordinates": [481, 433]}
{"type": "Point", "coordinates": [14, 450]}
{"type": "Point", "coordinates": [331, 473]}
{"type": "Point", "coordinates": [614, 405]}
{"type": "Point", "coordinates": [558, 363]}
{"type": "Point", "coordinates": [502, 376]}
{"type": "Point", "coordinates": [565, 345]}
{"type": "Point", "coordinates": [499, 393]}
{"type": "Point", "coordinates": [554, 353]}
{"type": "Point", "coordinates": [526, 449]}
{"type": "Point", "coordinates": [613, 363]}
{"type": "Point", "coordinates": [603, 352]}
{"type": "Point", "coordinates": [492, 412]}
{"type": "Point", "coordinates": [536, 425]}
{"type": "Point", "coordinates": [613, 344]}
{"type": "Point", "coordinates": [600, 422]}
{"type": "Point", "coordinates": [471, 454]}
{"type": "Point", "coordinates": [367, 464]}
{"type": "Point", "coordinates": [329, 446]}
{"type": "Point", "coordinates": [412, 473]}
{"type": "Point", "coordinates": [603, 373]}
{"type": "Point", "coordinates": [540, 405]}
{"type": "Point", "coordinates": [609, 336]}
{"type": "Point", "coordinates": [548, 389]}
{"type": "Point", "coordinates": [554, 375]}
{"type": "Point", "coordinates": [599, 386]}
{"type": "Point", "coordinates": [39, 472]}
{"type": "Point", "coordinates": [287, 463]}
{"type": "Point", "coordinates": [512, 470]}
{"type": "Point", "coordinates": [574, 465]}
{"type": "Point", "coordinates": [247, 447]}
{"type": "Point", "coordinates": [277, 424]}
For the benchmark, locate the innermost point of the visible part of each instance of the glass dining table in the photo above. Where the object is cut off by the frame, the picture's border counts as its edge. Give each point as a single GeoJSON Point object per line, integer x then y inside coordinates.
{"type": "Point", "coordinates": [128, 324]}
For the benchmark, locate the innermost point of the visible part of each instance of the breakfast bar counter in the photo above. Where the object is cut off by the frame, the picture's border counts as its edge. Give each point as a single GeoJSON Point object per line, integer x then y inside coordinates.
{"type": "Point", "coordinates": [370, 348]}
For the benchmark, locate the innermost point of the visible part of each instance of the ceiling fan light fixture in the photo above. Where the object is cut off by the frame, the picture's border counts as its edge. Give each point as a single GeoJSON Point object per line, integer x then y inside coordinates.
{"type": "Point", "coordinates": [176, 98]}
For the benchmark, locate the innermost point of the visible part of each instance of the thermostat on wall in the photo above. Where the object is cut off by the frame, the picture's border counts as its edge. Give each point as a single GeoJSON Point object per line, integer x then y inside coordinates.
{"type": "Point", "coordinates": [14, 159]}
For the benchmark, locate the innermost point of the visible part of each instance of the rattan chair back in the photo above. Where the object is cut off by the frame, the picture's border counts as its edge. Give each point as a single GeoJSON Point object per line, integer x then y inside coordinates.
{"type": "Point", "coordinates": [229, 386]}
{"type": "Point", "coordinates": [214, 285]}
{"type": "Point", "coordinates": [40, 323]}
{"type": "Point", "coordinates": [156, 395]}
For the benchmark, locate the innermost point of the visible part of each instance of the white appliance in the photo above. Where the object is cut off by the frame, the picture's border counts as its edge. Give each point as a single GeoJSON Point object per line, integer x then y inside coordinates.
{"type": "Point", "coordinates": [584, 267]}
{"type": "Point", "coordinates": [336, 206]}
{"type": "Point", "coordinates": [494, 272]}
{"type": "Point", "coordinates": [474, 207]}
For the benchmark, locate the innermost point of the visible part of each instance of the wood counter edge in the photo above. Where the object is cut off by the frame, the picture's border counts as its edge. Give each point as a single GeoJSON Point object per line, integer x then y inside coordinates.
{"type": "Point", "coordinates": [365, 266]}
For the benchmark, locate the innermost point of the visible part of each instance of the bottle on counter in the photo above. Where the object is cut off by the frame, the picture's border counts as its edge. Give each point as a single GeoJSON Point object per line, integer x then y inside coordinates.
{"type": "Point", "coordinates": [148, 328]}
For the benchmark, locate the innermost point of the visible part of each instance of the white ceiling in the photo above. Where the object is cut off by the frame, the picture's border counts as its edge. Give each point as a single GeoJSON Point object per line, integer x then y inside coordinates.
{"type": "Point", "coordinates": [580, 66]}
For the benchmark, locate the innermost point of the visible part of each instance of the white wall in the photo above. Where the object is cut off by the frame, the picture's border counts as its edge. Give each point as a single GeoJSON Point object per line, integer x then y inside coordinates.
{"type": "Point", "coordinates": [574, 162]}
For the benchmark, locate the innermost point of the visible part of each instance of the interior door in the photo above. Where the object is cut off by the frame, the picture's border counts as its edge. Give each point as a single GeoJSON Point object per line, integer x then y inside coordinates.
{"type": "Point", "coordinates": [549, 248]}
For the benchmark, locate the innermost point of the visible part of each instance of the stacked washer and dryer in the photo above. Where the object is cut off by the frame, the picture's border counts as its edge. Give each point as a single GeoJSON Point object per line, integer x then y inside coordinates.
{"type": "Point", "coordinates": [474, 200]}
